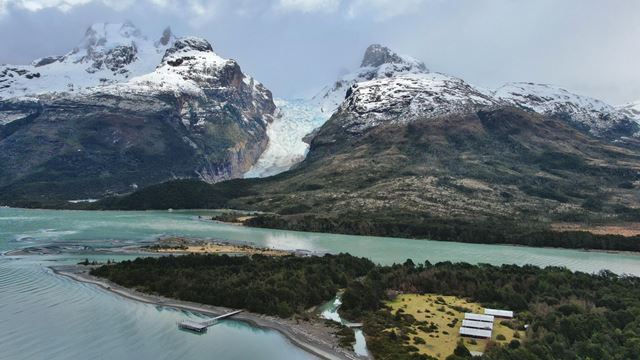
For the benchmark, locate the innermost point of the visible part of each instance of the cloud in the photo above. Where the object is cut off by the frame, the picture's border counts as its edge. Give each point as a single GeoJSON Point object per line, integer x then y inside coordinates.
{"type": "Point", "coordinates": [309, 6]}
{"type": "Point", "coordinates": [379, 10]}
{"type": "Point", "coordinates": [382, 10]}
{"type": "Point", "coordinates": [588, 46]}
{"type": "Point", "coordinates": [37, 5]}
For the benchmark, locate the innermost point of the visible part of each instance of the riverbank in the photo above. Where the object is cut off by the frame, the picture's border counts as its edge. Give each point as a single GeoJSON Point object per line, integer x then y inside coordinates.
{"type": "Point", "coordinates": [313, 336]}
{"type": "Point", "coordinates": [247, 224]}
{"type": "Point", "coordinates": [182, 245]}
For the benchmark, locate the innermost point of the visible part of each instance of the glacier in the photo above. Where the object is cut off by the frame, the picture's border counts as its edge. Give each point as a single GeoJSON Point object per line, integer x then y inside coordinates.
{"type": "Point", "coordinates": [296, 119]}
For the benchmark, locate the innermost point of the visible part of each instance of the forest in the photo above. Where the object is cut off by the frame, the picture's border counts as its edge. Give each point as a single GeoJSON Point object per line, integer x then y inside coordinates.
{"type": "Point", "coordinates": [466, 231]}
{"type": "Point", "coordinates": [268, 285]}
{"type": "Point", "coordinates": [570, 315]}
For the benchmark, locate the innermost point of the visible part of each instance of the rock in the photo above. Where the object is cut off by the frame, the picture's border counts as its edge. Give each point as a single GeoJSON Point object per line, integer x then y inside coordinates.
{"type": "Point", "coordinates": [196, 115]}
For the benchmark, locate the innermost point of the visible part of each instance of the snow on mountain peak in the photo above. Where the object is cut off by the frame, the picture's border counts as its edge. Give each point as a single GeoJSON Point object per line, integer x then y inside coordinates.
{"type": "Point", "coordinates": [107, 35]}
{"type": "Point", "coordinates": [377, 55]}
{"type": "Point", "coordinates": [594, 114]}
{"type": "Point", "coordinates": [107, 54]}
{"type": "Point", "coordinates": [632, 110]}
{"type": "Point", "coordinates": [406, 97]}
{"type": "Point", "coordinates": [378, 62]}
{"type": "Point", "coordinates": [188, 65]}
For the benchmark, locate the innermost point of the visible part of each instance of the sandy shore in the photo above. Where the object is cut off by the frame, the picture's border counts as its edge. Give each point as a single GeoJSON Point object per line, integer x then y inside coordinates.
{"type": "Point", "coordinates": [179, 245]}
{"type": "Point", "coordinates": [314, 337]}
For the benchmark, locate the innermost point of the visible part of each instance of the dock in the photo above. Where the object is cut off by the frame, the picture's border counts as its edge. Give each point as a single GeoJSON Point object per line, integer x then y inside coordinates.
{"type": "Point", "coordinates": [202, 326]}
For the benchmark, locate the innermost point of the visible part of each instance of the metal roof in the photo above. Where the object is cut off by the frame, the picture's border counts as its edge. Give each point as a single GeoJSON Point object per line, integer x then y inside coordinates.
{"type": "Point", "coordinates": [478, 317]}
{"type": "Point", "coordinates": [475, 332]}
{"type": "Point", "coordinates": [477, 324]}
{"type": "Point", "coordinates": [499, 313]}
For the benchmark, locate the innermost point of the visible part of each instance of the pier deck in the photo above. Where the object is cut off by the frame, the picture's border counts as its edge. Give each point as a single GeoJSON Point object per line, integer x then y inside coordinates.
{"type": "Point", "coordinates": [201, 326]}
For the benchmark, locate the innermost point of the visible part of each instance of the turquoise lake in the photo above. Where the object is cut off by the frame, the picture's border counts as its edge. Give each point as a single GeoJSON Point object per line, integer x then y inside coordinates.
{"type": "Point", "coordinates": [46, 316]}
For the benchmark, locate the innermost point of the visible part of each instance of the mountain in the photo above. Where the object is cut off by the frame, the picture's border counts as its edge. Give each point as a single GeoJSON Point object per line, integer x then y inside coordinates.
{"type": "Point", "coordinates": [108, 53]}
{"type": "Point", "coordinates": [388, 86]}
{"type": "Point", "coordinates": [378, 62]}
{"type": "Point", "coordinates": [598, 117]}
{"type": "Point", "coordinates": [407, 97]}
{"type": "Point", "coordinates": [193, 115]}
{"type": "Point", "coordinates": [429, 155]}
{"type": "Point", "coordinates": [632, 110]}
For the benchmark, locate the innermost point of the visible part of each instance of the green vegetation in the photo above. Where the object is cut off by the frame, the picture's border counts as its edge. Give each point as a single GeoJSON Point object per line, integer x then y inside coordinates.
{"type": "Point", "coordinates": [487, 177]}
{"type": "Point", "coordinates": [270, 285]}
{"type": "Point", "coordinates": [569, 315]}
{"type": "Point", "coordinates": [482, 232]}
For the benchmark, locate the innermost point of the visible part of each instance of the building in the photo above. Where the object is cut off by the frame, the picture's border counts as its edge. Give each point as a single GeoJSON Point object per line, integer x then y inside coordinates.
{"type": "Point", "coordinates": [506, 314]}
{"type": "Point", "coordinates": [484, 325]}
{"type": "Point", "coordinates": [479, 317]}
{"type": "Point", "coordinates": [475, 333]}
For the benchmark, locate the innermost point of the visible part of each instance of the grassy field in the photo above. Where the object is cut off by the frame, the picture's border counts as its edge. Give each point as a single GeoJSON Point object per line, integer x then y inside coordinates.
{"type": "Point", "coordinates": [444, 315]}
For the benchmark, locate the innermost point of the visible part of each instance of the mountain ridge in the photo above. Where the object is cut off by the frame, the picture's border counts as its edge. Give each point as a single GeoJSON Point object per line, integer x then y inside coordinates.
{"type": "Point", "coordinates": [107, 54]}
{"type": "Point", "coordinates": [194, 115]}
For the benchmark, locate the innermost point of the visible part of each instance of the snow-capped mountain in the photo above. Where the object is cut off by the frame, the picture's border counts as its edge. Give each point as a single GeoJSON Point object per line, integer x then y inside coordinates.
{"type": "Point", "coordinates": [108, 54]}
{"type": "Point", "coordinates": [191, 67]}
{"type": "Point", "coordinates": [388, 87]}
{"type": "Point", "coordinates": [379, 62]}
{"type": "Point", "coordinates": [632, 110]}
{"type": "Point", "coordinates": [298, 118]}
{"type": "Point", "coordinates": [193, 114]}
{"type": "Point", "coordinates": [406, 97]}
{"type": "Point", "coordinates": [593, 114]}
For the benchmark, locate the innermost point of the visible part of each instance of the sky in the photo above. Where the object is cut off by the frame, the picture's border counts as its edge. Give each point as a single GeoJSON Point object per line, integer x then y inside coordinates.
{"type": "Point", "coordinates": [295, 47]}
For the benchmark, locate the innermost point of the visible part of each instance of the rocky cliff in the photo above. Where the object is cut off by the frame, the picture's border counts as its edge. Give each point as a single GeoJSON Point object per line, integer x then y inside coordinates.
{"type": "Point", "coordinates": [193, 115]}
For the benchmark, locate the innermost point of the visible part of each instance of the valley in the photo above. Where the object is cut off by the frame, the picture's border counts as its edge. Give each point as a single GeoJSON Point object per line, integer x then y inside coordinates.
{"type": "Point", "coordinates": [384, 212]}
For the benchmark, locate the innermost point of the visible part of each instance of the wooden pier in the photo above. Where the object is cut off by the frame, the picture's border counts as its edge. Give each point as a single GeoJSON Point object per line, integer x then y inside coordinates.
{"type": "Point", "coordinates": [202, 326]}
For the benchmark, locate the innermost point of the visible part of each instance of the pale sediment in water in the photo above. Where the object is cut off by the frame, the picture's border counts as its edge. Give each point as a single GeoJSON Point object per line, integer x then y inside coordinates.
{"type": "Point", "coordinates": [135, 227]}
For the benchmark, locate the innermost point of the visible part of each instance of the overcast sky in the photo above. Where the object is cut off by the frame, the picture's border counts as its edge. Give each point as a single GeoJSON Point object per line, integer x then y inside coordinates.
{"type": "Point", "coordinates": [296, 46]}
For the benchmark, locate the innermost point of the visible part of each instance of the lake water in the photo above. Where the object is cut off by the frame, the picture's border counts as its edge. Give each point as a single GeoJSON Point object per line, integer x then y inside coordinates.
{"type": "Point", "coordinates": [45, 316]}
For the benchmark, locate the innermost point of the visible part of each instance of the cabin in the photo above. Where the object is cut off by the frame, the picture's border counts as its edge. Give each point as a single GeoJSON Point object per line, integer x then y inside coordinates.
{"type": "Point", "coordinates": [477, 324]}
{"type": "Point", "coordinates": [479, 317]}
{"type": "Point", "coordinates": [475, 333]}
{"type": "Point", "coordinates": [505, 314]}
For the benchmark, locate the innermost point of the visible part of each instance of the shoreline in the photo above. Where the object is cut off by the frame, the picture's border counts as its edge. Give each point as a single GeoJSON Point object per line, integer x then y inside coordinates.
{"type": "Point", "coordinates": [626, 252]}
{"type": "Point", "coordinates": [210, 220]}
{"type": "Point", "coordinates": [296, 334]}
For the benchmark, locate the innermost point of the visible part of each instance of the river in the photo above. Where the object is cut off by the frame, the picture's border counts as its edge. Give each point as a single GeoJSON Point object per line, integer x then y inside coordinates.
{"type": "Point", "coordinates": [46, 316]}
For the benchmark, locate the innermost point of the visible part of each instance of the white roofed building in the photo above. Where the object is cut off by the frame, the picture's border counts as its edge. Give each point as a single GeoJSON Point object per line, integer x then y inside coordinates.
{"type": "Point", "coordinates": [477, 324]}
{"type": "Point", "coordinates": [478, 317]}
{"type": "Point", "coordinates": [476, 333]}
{"type": "Point", "coordinates": [499, 313]}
